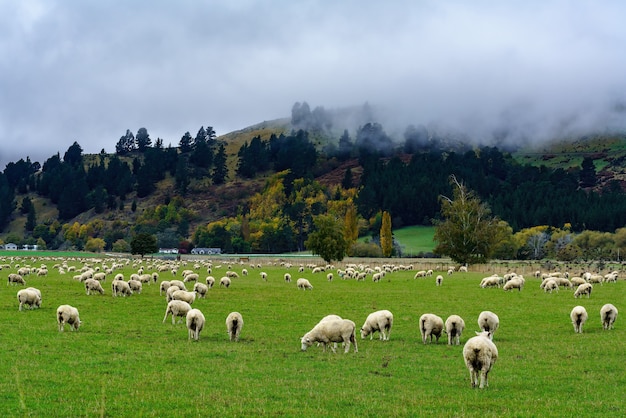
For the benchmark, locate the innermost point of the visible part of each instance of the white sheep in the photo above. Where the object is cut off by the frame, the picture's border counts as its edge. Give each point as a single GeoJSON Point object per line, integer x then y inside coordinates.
{"type": "Point", "coordinates": [579, 317]}
{"type": "Point", "coordinates": [93, 285]}
{"type": "Point", "coordinates": [608, 315]}
{"type": "Point", "coordinates": [480, 354]}
{"type": "Point", "coordinates": [329, 277]}
{"type": "Point", "coordinates": [178, 283]}
{"type": "Point", "coordinates": [15, 278]}
{"type": "Point", "coordinates": [170, 291]}
{"type": "Point", "coordinates": [550, 285]}
{"type": "Point", "coordinates": [135, 286]}
{"type": "Point", "coordinates": [331, 331]}
{"type": "Point", "coordinates": [67, 314]}
{"type": "Point", "coordinates": [439, 280]}
{"type": "Point", "coordinates": [488, 321]}
{"type": "Point", "coordinates": [263, 275]}
{"type": "Point", "coordinates": [234, 324]}
{"type": "Point", "coordinates": [287, 278]}
{"type": "Point", "coordinates": [184, 295]}
{"type": "Point", "coordinates": [454, 328]}
{"type": "Point", "coordinates": [195, 323]}
{"type": "Point", "coordinates": [210, 281]}
{"type": "Point", "coordinates": [120, 287]}
{"type": "Point", "coordinates": [304, 284]}
{"type": "Point", "coordinates": [201, 289]}
{"type": "Point", "coordinates": [30, 297]}
{"type": "Point", "coordinates": [191, 277]}
{"type": "Point", "coordinates": [225, 281]}
{"type": "Point", "coordinates": [583, 289]}
{"type": "Point", "coordinates": [380, 321]}
{"type": "Point", "coordinates": [431, 326]}
{"type": "Point", "coordinates": [165, 284]}
{"type": "Point", "coordinates": [176, 308]}
{"type": "Point", "coordinates": [515, 283]}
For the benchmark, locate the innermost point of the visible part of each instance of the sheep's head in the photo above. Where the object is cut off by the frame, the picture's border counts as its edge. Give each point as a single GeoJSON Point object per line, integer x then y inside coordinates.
{"type": "Point", "coordinates": [306, 342]}
{"type": "Point", "coordinates": [486, 334]}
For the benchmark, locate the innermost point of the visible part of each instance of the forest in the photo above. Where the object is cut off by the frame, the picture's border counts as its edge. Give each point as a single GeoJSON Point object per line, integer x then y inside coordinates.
{"type": "Point", "coordinates": [405, 179]}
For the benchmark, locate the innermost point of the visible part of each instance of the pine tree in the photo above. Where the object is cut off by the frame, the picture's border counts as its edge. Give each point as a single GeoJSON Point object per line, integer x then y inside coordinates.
{"type": "Point", "coordinates": [220, 170]}
{"type": "Point", "coordinates": [386, 236]}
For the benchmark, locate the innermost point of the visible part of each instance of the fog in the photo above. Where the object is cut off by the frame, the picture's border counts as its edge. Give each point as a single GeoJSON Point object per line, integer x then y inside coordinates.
{"type": "Point", "coordinates": [85, 71]}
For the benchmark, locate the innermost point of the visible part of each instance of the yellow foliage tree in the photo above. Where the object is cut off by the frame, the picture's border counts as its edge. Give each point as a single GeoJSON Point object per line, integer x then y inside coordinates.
{"type": "Point", "coordinates": [386, 237]}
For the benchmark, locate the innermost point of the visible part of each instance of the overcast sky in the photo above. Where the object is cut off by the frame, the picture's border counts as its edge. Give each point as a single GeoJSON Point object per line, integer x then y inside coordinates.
{"type": "Point", "coordinates": [87, 70]}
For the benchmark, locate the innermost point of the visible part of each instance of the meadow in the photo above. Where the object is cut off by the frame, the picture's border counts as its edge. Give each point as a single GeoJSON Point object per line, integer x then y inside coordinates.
{"type": "Point", "coordinates": [124, 361]}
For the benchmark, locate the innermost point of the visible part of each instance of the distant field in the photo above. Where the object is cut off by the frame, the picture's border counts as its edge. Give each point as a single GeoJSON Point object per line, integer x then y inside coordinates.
{"type": "Point", "coordinates": [124, 361]}
{"type": "Point", "coordinates": [415, 239]}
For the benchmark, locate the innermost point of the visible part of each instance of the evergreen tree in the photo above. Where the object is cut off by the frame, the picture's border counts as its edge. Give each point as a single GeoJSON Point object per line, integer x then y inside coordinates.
{"type": "Point", "coordinates": [386, 236]}
{"type": "Point", "coordinates": [220, 170]}
{"type": "Point", "coordinates": [143, 244]}
{"type": "Point", "coordinates": [588, 173]}
{"type": "Point", "coordinates": [346, 183]}
{"type": "Point", "coordinates": [186, 143]}
{"type": "Point", "coordinates": [328, 240]}
{"type": "Point", "coordinates": [142, 139]}
{"type": "Point", "coordinates": [31, 218]}
{"type": "Point", "coordinates": [345, 146]}
{"type": "Point", "coordinates": [125, 144]}
{"type": "Point", "coordinates": [182, 176]}
{"type": "Point", "coordinates": [74, 155]}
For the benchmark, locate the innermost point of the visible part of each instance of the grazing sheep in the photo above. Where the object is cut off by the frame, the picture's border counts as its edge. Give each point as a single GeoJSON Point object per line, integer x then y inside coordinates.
{"type": "Point", "coordinates": [225, 281]}
{"type": "Point", "coordinates": [184, 295]}
{"type": "Point", "coordinates": [67, 314]}
{"type": "Point", "coordinates": [234, 324]}
{"type": "Point", "coordinates": [491, 281]}
{"type": "Point", "coordinates": [178, 283]}
{"type": "Point", "coordinates": [514, 284]}
{"type": "Point", "coordinates": [30, 297]}
{"type": "Point", "coordinates": [93, 285]}
{"type": "Point", "coordinates": [135, 286]}
{"type": "Point", "coordinates": [120, 287]}
{"type": "Point", "coordinates": [176, 308]}
{"type": "Point", "coordinates": [304, 284]}
{"type": "Point", "coordinates": [331, 331]}
{"type": "Point", "coordinates": [488, 321]}
{"type": "Point", "coordinates": [579, 317]}
{"type": "Point", "coordinates": [439, 280]}
{"type": "Point", "coordinates": [431, 326]}
{"type": "Point", "coordinates": [99, 276]}
{"type": "Point", "coordinates": [454, 328]}
{"type": "Point", "coordinates": [165, 284]}
{"type": "Point", "coordinates": [583, 289]}
{"type": "Point", "coordinates": [550, 285]}
{"type": "Point", "coordinates": [170, 291]}
{"type": "Point", "coordinates": [421, 273]}
{"type": "Point", "coordinates": [480, 354]}
{"type": "Point", "coordinates": [201, 289]}
{"type": "Point", "coordinates": [608, 315]}
{"type": "Point", "coordinates": [195, 323]}
{"type": "Point", "coordinates": [15, 278]}
{"type": "Point", "coordinates": [191, 277]}
{"type": "Point", "coordinates": [577, 281]}
{"type": "Point", "coordinates": [380, 321]}
{"type": "Point", "coordinates": [329, 277]}
{"type": "Point", "coordinates": [210, 281]}
{"type": "Point", "coordinates": [287, 278]}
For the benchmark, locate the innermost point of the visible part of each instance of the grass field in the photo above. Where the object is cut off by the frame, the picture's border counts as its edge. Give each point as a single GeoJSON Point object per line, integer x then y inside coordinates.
{"type": "Point", "coordinates": [415, 239]}
{"type": "Point", "coordinates": [124, 361]}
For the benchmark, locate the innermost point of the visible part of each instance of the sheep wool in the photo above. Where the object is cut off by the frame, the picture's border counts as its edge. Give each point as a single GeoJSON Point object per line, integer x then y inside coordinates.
{"type": "Point", "coordinates": [480, 354]}
{"type": "Point", "coordinates": [380, 321]}
{"type": "Point", "coordinates": [579, 317]}
{"type": "Point", "coordinates": [234, 325]}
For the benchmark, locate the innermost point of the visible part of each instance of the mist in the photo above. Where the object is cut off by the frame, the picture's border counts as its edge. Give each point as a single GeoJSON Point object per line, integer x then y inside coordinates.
{"type": "Point", "coordinates": [492, 71]}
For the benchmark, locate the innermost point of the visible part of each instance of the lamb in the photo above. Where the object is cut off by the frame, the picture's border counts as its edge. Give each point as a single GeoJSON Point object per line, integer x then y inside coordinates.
{"type": "Point", "coordinates": [454, 328]}
{"type": "Point", "coordinates": [30, 297]}
{"type": "Point", "coordinates": [120, 287]}
{"type": "Point", "coordinates": [608, 315]}
{"type": "Point", "coordinates": [583, 289]}
{"type": "Point", "coordinates": [439, 280]}
{"type": "Point", "coordinates": [195, 323]}
{"type": "Point", "coordinates": [304, 284]}
{"type": "Point", "coordinates": [480, 354]}
{"type": "Point", "coordinates": [579, 317]}
{"type": "Point", "coordinates": [234, 324]}
{"type": "Point", "coordinates": [165, 284]}
{"type": "Point", "coordinates": [135, 286]}
{"type": "Point", "coordinates": [184, 295]}
{"type": "Point", "coordinates": [431, 326]}
{"type": "Point", "coordinates": [331, 331]}
{"type": "Point", "coordinates": [67, 314]}
{"type": "Point", "coordinates": [488, 321]}
{"type": "Point", "coordinates": [201, 289]}
{"type": "Point", "coordinates": [225, 281]}
{"type": "Point", "coordinates": [176, 308]}
{"type": "Point", "coordinates": [93, 285]}
{"type": "Point", "coordinates": [15, 278]}
{"type": "Point", "coordinates": [381, 321]}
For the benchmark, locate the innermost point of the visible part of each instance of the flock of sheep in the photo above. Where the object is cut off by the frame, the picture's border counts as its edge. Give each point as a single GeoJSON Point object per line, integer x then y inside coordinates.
{"type": "Point", "coordinates": [479, 352]}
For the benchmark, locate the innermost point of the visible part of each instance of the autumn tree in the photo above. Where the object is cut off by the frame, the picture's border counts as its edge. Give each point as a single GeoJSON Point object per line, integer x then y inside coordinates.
{"type": "Point", "coordinates": [467, 233]}
{"type": "Point", "coordinates": [328, 240]}
{"type": "Point", "coordinates": [386, 237]}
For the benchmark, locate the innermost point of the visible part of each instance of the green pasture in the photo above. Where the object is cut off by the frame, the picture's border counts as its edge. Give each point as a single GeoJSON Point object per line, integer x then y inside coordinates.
{"type": "Point", "coordinates": [124, 361]}
{"type": "Point", "coordinates": [415, 239]}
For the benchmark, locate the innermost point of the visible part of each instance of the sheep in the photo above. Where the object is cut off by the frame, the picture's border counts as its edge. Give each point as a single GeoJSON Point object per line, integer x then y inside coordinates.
{"type": "Point", "coordinates": [376, 277]}
{"type": "Point", "coordinates": [579, 317]}
{"type": "Point", "coordinates": [201, 289]}
{"type": "Point", "coordinates": [210, 281]}
{"type": "Point", "coordinates": [30, 297]}
{"type": "Point", "coordinates": [577, 281]}
{"type": "Point", "coordinates": [380, 321]}
{"type": "Point", "coordinates": [100, 276]}
{"type": "Point", "coordinates": [550, 285]}
{"type": "Point", "coordinates": [176, 308]}
{"type": "Point", "coordinates": [170, 291]}
{"type": "Point", "coordinates": [431, 326]}
{"type": "Point", "coordinates": [178, 283]}
{"type": "Point", "coordinates": [439, 280]}
{"type": "Point", "coordinates": [421, 273]}
{"type": "Point", "coordinates": [263, 275]}
{"type": "Point", "coordinates": [67, 314]}
{"type": "Point", "coordinates": [329, 277]}
{"type": "Point", "coordinates": [191, 277]}
{"type": "Point", "coordinates": [135, 286]}
{"type": "Point", "coordinates": [120, 287]}
{"type": "Point", "coordinates": [480, 354]}
{"type": "Point", "coordinates": [287, 278]}
{"type": "Point", "coordinates": [234, 324]}
{"type": "Point", "coordinates": [184, 295]}
{"type": "Point", "coordinates": [331, 331]}
{"type": "Point", "coordinates": [244, 272]}
{"type": "Point", "coordinates": [304, 284]}
{"type": "Point", "coordinates": [15, 278]}
{"type": "Point", "coordinates": [165, 284]}
{"type": "Point", "coordinates": [514, 284]}
{"type": "Point", "coordinates": [225, 281]}
{"type": "Point", "coordinates": [583, 289]}
{"type": "Point", "coordinates": [93, 285]}
{"type": "Point", "coordinates": [488, 321]}
{"type": "Point", "coordinates": [454, 328]}
{"type": "Point", "coordinates": [562, 281]}
{"type": "Point", "coordinates": [195, 323]}
{"type": "Point", "coordinates": [491, 281]}
{"type": "Point", "coordinates": [608, 315]}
